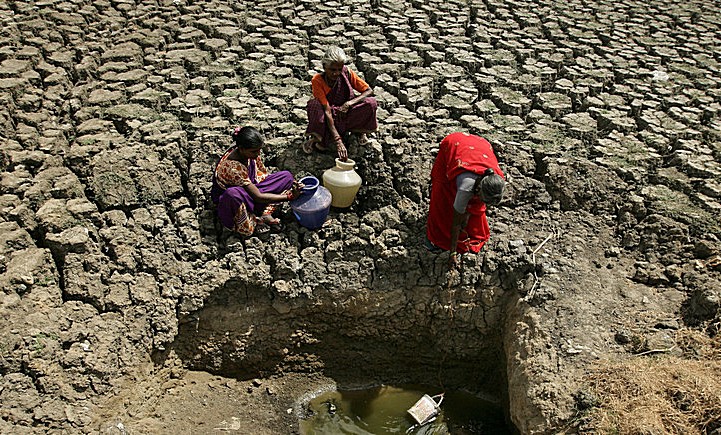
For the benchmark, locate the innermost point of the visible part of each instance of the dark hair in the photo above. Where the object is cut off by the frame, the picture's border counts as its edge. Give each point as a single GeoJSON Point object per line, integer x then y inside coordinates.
{"type": "Point", "coordinates": [247, 138]}
{"type": "Point", "coordinates": [491, 185]}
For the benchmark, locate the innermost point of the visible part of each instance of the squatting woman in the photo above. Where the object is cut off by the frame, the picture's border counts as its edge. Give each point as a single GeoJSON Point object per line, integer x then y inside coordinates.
{"type": "Point", "coordinates": [245, 192]}
{"type": "Point", "coordinates": [341, 104]}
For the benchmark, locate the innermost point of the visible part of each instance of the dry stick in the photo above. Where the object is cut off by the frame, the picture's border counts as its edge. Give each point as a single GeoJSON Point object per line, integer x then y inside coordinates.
{"type": "Point", "coordinates": [451, 292]}
{"type": "Point", "coordinates": [450, 277]}
{"type": "Point", "coordinates": [669, 349]}
{"type": "Point", "coordinates": [530, 294]}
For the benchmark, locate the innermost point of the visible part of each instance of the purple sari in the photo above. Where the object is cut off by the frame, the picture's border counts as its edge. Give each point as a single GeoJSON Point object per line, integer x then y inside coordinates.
{"type": "Point", "coordinates": [360, 118]}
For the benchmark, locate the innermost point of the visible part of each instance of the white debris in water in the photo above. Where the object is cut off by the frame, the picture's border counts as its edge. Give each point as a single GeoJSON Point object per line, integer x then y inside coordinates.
{"type": "Point", "coordinates": [225, 426]}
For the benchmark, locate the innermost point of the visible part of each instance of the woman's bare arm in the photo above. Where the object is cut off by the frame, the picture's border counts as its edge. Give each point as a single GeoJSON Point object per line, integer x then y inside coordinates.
{"type": "Point", "coordinates": [265, 198]}
{"type": "Point", "coordinates": [353, 101]}
{"type": "Point", "coordinates": [460, 220]}
{"type": "Point", "coordinates": [342, 151]}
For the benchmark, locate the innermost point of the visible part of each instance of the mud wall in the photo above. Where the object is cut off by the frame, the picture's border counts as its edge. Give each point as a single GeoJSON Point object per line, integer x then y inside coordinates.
{"type": "Point", "coordinates": [357, 336]}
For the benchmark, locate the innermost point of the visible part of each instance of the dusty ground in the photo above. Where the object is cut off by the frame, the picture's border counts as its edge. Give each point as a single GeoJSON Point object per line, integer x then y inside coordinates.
{"type": "Point", "coordinates": [198, 402]}
{"type": "Point", "coordinates": [116, 277]}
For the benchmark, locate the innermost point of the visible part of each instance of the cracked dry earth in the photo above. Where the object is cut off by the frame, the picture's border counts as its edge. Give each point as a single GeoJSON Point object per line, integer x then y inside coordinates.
{"type": "Point", "coordinates": [126, 308]}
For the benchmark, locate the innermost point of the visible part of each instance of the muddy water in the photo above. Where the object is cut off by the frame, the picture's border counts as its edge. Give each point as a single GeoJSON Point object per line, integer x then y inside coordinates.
{"type": "Point", "coordinates": [383, 410]}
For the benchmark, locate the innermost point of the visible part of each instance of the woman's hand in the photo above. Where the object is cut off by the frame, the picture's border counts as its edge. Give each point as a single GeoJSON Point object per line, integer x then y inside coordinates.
{"type": "Point", "coordinates": [342, 151]}
{"type": "Point", "coordinates": [460, 220]}
{"type": "Point", "coordinates": [453, 261]}
{"type": "Point", "coordinates": [295, 190]}
{"type": "Point", "coordinates": [345, 106]}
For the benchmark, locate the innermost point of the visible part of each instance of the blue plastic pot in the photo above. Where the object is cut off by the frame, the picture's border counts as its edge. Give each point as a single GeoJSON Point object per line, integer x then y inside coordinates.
{"type": "Point", "coordinates": [312, 206]}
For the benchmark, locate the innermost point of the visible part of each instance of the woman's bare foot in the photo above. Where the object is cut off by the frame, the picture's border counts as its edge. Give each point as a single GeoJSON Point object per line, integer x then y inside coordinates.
{"type": "Point", "coordinates": [309, 145]}
{"type": "Point", "coordinates": [269, 219]}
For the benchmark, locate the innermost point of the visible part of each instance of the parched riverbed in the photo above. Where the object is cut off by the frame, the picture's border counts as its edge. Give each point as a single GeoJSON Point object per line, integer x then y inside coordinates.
{"type": "Point", "coordinates": [127, 308]}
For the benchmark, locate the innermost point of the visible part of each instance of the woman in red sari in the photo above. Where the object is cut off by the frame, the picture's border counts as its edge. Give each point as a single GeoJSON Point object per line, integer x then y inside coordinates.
{"type": "Point", "coordinates": [335, 109]}
{"type": "Point", "coordinates": [465, 179]}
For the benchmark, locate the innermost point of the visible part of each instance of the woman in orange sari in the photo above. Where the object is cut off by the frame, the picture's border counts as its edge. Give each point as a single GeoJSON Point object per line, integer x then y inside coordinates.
{"type": "Point", "coordinates": [335, 110]}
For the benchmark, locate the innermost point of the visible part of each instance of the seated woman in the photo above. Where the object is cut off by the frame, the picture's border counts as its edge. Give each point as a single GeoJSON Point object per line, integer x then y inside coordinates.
{"type": "Point", "coordinates": [245, 192]}
{"type": "Point", "coordinates": [465, 179]}
{"type": "Point", "coordinates": [335, 109]}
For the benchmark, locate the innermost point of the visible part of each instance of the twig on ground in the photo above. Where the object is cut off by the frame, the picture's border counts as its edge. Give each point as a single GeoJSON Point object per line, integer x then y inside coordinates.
{"type": "Point", "coordinates": [553, 233]}
{"type": "Point", "coordinates": [451, 277]}
{"type": "Point", "coordinates": [648, 352]}
{"type": "Point", "coordinates": [536, 280]}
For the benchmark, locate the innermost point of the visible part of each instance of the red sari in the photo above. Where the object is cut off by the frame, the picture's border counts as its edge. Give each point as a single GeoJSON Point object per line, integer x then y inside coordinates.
{"type": "Point", "coordinates": [459, 152]}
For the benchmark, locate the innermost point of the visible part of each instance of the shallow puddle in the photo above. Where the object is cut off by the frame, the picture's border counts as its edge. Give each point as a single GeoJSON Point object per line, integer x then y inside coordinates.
{"type": "Point", "coordinates": [384, 410]}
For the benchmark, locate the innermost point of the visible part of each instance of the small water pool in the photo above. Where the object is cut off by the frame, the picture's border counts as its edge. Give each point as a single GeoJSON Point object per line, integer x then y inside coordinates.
{"type": "Point", "coordinates": [383, 410]}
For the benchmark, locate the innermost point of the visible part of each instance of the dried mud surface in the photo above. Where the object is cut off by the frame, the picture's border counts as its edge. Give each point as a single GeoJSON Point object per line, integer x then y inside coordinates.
{"type": "Point", "coordinates": [126, 308]}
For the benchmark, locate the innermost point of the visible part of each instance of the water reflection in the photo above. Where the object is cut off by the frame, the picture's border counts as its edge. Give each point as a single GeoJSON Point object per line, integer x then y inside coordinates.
{"type": "Point", "coordinates": [383, 410]}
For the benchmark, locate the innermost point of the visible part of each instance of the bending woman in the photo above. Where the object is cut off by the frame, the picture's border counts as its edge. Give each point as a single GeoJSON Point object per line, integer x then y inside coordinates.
{"type": "Point", "coordinates": [245, 192]}
{"type": "Point", "coordinates": [335, 109]}
{"type": "Point", "coordinates": [465, 179]}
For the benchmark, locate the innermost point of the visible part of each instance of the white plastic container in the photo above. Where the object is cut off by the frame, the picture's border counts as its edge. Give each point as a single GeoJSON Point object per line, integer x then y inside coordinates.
{"type": "Point", "coordinates": [343, 182]}
{"type": "Point", "coordinates": [425, 409]}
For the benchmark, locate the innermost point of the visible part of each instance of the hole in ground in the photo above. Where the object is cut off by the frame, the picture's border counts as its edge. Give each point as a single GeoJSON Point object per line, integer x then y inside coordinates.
{"type": "Point", "coordinates": [399, 337]}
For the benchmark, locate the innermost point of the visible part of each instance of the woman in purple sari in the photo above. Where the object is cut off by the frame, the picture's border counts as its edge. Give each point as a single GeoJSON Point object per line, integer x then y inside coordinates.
{"type": "Point", "coordinates": [244, 191]}
{"type": "Point", "coordinates": [335, 109]}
